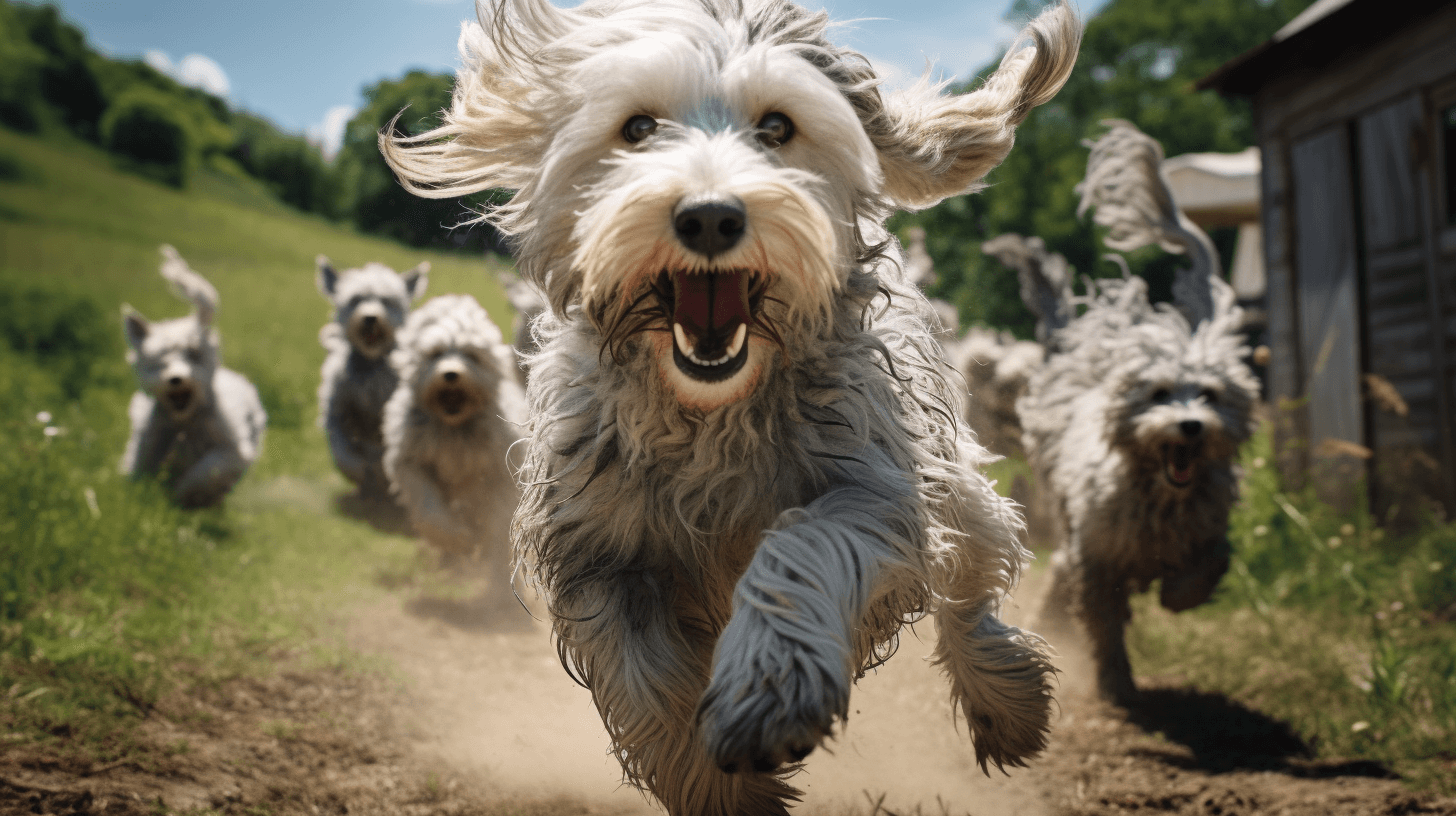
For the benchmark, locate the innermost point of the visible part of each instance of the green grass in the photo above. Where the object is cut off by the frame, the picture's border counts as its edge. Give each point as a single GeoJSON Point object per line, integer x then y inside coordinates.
{"type": "Point", "coordinates": [109, 596]}
{"type": "Point", "coordinates": [1328, 623]}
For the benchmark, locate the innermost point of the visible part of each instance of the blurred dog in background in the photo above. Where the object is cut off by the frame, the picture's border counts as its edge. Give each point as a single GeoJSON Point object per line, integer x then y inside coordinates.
{"type": "Point", "coordinates": [448, 429]}
{"type": "Point", "coordinates": [195, 423]}
{"type": "Point", "coordinates": [370, 304]}
{"type": "Point", "coordinates": [1135, 419]}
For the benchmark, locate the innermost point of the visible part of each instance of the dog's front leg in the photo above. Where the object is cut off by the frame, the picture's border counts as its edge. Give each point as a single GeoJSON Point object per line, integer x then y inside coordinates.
{"type": "Point", "coordinates": [207, 481]}
{"type": "Point", "coordinates": [430, 511]}
{"type": "Point", "coordinates": [619, 632]}
{"type": "Point", "coordinates": [784, 663]}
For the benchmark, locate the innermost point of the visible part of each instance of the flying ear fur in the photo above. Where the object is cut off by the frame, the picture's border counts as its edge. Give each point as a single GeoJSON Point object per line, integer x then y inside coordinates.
{"type": "Point", "coordinates": [933, 146]}
{"type": "Point", "coordinates": [327, 277]}
{"type": "Point", "coordinates": [415, 280]}
{"type": "Point", "coordinates": [496, 130]}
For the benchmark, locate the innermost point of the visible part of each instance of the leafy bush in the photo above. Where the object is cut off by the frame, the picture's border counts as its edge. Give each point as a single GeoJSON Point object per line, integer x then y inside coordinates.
{"type": "Point", "coordinates": [146, 128]}
{"type": "Point", "coordinates": [67, 79]}
{"type": "Point", "coordinates": [21, 104]}
{"type": "Point", "coordinates": [291, 167]}
{"type": "Point", "coordinates": [68, 334]}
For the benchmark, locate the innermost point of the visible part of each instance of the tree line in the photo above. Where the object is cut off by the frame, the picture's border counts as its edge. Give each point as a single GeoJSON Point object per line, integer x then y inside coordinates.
{"type": "Point", "coordinates": [52, 80]}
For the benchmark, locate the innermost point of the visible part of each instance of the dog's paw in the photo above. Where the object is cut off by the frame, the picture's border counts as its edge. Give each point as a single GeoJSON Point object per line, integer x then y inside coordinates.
{"type": "Point", "coordinates": [765, 711]}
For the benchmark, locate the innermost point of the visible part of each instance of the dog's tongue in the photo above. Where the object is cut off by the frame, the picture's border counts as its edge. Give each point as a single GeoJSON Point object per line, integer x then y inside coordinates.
{"type": "Point", "coordinates": [1180, 463]}
{"type": "Point", "coordinates": [710, 303]}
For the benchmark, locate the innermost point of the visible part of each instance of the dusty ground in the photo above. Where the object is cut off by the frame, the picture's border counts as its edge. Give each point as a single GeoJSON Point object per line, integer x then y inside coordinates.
{"type": "Point", "coordinates": [478, 717]}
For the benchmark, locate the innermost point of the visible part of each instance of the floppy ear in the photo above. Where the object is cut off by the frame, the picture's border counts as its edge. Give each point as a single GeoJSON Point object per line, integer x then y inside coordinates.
{"type": "Point", "coordinates": [416, 280]}
{"type": "Point", "coordinates": [491, 137]}
{"type": "Point", "coordinates": [136, 327]}
{"type": "Point", "coordinates": [933, 146]}
{"type": "Point", "coordinates": [327, 278]}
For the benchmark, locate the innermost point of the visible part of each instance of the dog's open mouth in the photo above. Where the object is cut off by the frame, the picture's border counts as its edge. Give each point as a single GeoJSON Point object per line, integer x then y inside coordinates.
{"type": "Point", "coordinates": [452, 401]}
{"type": "Point", "coordinates": [712, 313]}
{"type": "Point", "coordinates": [1178, 460]}
{"type": "Point", "coordinates": [180, 399]}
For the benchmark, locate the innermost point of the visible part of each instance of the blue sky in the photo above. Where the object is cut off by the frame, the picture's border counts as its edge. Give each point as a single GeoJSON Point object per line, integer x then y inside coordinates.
{"type": "Point", "coordinates": [302, 63]}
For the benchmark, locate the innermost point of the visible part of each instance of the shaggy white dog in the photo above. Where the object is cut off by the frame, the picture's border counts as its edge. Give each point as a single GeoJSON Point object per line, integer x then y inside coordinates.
{"type": "Point", "coordinates": [1134, 422]}
{"type": "Point", "coordinates": [194, 423]}
{"type": "Point", "coordinates": [370, 304]}
{"type": "Point", "coordinates": [448, 429]}
{"type": "Point", "coordinates": [745, 473]}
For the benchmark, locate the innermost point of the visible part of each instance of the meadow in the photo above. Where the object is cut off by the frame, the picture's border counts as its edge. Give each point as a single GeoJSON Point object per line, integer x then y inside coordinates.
{"type": "Point", "coordinates": [110, 598]}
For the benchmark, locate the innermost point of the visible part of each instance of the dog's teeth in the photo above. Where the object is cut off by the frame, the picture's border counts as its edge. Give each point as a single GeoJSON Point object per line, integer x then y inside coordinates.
{"type": "Point", "coordinates": [682, 341]}
{"type": "Point", "coordinates": [737, 344]}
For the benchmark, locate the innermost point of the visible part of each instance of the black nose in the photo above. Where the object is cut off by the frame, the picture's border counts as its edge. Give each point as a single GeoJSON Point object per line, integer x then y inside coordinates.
{"type": "Point", "coordinates": [174, 381]}
{"type": "Point", "coordinates": [709, 225]}
{"type": "Point", "coordinates": [1190, 427]}
{"type": "Point", "coordinates": [451, 376]}
{"type": "Point", "coordinates": [370, 320]}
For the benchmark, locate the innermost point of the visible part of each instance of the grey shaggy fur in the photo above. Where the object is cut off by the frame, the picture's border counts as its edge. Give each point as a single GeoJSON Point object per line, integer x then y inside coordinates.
{"type": "Point", "coordinates": [370, 304]}
{"type": "Point", "coordinates": [1134, 422]}
{"type": "Point", "coordinates": [725, 554]}
{"type": "Point", "coordinates": [448, 429]}
{"type": "Point", "coordinates": [194, 423]}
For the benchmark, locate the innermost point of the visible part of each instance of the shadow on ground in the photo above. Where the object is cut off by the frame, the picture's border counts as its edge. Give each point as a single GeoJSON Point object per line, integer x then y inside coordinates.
{"type": "Point", "coordinates": [1224, 735]}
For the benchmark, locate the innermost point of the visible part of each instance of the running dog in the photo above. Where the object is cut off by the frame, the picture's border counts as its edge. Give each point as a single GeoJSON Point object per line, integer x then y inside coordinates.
{"type": "Point", "coordinates": [1134, 421]}
{"type": "Point", "coordinates": [194, 423]}
{"type": "Point", "coordinates": [745, 472]}
{"type": "Point", "coordinates": [370, 304]}
{"type": "Point", "coordinates": [448, 428]}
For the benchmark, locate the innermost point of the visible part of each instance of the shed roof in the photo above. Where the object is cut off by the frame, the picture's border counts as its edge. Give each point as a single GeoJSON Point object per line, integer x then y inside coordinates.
{"type": "Point", "coordinates": [1326, 32]}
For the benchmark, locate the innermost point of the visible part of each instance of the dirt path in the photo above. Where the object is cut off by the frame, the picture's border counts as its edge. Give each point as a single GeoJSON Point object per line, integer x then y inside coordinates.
{"type": "Point", "coordinates": [474, 716]}
{"type": "Point", "coordinates": [489, 699]}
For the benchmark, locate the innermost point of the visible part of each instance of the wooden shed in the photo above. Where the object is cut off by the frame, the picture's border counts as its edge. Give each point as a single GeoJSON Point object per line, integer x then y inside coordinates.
{"type": "Point", "coordinates": [1355, 113]}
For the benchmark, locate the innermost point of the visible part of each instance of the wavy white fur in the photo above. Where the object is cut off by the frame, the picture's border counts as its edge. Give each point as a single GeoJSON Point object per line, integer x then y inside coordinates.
{"type": "Point", "coordinates": [1133, 424]}
{"type": "Point", "coordinates": [725, 551]}
{"type": "Point", "coordinates": [448, 431]}
{"type": "Point", "coordinates": [195, 424]}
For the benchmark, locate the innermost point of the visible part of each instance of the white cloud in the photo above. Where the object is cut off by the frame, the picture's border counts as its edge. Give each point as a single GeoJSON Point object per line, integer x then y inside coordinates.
{"type": "Point", "coordinates": [195, 71]}
{"type": "Point", "coordinates": [329, 134]}
{"type": "Point", "coordinates": [160, 61]}
{"type": "Point", "coordinates": [202, 72]}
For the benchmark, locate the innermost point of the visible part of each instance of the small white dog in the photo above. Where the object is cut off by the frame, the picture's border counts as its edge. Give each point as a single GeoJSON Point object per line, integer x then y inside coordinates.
{"type": "Point", "coordinates": [193, 423]}
{"type": "Point", "coordinates": [1134, 421]}
{"type": "Point", "coordinates": [370, 304]}
{"type": "Point", "coordinates": [448, 429]}
{"type": "Point", "coordinates": [745, 472]}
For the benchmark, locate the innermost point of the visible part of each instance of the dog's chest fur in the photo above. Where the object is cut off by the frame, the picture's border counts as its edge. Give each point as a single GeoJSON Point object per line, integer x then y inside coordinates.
{"type": "Point", "coordinates": [364, 385]}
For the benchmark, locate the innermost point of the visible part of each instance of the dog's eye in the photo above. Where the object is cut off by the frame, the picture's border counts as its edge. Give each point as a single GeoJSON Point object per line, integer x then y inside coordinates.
{"type": "Point", "coordinates": [1209, 395]}
{"type": "Point", "coordinates": [1162, 395]}
{"type": "Point", "coordinates": [775, 129]}
{"type": "Point", "coordinates": [194, 355]}
{"type": "Point", "coordinates": [638, 128]}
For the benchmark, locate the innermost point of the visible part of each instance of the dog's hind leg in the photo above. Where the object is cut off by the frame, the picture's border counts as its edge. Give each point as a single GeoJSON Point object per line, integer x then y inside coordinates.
{"type": "Point", "coordinates": [1102, 604]}
{"type": "Point", "coordinates": [1000, 676]}
{"type": "Point", "coordinates": [784, 663]}
{"type": "Point", "coordinates": [619, 633]}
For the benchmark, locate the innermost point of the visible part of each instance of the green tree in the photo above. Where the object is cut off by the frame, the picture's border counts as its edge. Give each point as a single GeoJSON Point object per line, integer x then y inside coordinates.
{"type": "Point", "coordinates": [373, 197]}
{"type": "Point", "coordinates": [1139, 60]}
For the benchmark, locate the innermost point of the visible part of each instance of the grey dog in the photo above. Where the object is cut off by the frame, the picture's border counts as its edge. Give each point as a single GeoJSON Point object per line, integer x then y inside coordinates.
{"type": "Point", "coordinates": [744, 471]}
{"type": "Point", "coordinates": [370, 304]}
{"type": "Point", "coordinates": [194, 423]}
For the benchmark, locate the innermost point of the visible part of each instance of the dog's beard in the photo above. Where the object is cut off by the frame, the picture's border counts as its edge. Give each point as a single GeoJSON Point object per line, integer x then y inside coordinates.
{"type": "Point", "coordinates": [371, 339]}
{"type": "Point", "coordinates": [454, 403]}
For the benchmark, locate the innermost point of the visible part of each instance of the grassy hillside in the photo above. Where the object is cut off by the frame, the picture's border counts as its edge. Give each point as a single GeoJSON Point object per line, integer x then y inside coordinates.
{"type": "Point", "coordinates": [108, 595]}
